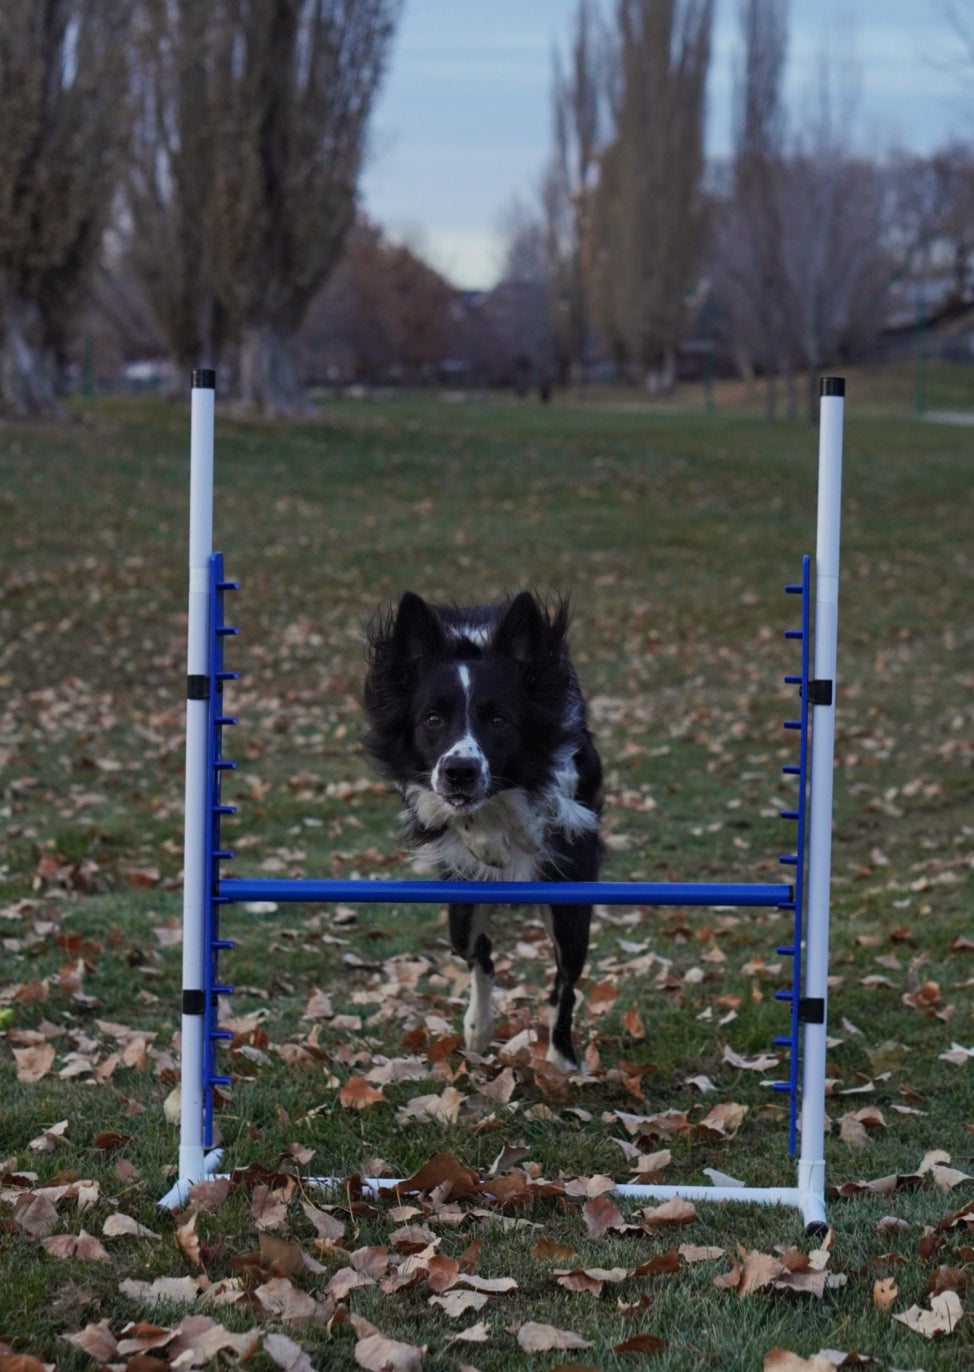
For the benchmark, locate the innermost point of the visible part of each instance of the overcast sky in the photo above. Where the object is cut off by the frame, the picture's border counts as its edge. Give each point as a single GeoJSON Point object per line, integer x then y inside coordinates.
{"type": "Point", "coordinates": [463, 124]}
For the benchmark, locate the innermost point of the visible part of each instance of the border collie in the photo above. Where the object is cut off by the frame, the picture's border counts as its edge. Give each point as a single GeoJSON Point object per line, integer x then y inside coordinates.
{"type": "Point", "coordinates": [477, 717]}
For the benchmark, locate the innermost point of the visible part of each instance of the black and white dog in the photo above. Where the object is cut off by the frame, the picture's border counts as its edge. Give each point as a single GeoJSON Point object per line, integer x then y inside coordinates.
{"type": "Point", "coordinates": [477, 716]}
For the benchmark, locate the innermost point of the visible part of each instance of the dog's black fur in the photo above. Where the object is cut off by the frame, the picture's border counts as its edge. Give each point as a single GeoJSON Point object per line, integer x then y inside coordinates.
{"type": "Point", "coordinates": [477, 716]}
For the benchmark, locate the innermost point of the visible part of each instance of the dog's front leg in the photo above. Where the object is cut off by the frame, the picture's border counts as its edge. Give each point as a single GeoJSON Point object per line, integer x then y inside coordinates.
{"type": "Point", "coordinates": [469, 935]}
{"type": "Point", "coordinates": [568, 927]}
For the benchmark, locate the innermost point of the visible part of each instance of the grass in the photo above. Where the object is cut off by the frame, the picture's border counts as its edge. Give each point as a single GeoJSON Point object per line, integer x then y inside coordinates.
{"type": "Point", "coordinates": [676, 531]}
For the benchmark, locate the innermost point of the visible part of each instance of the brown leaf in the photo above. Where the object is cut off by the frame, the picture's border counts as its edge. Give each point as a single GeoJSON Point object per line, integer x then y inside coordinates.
{"type": "Point", "coordinates": [287, 1354]}
{"type": "Point", "coordinates": [376, 1353]}
{"type": "Point", "coordinates": [199, 1340]}
{"type": "Point", "coordinates": [35, 1215]}
{"type": "Point", "coordinates": [97, 1340]}
{"type": "Point", "coordinates": [443, 1169]}
{"type": "Point", "coordinates": [947, 1279]}
{"type": "Point", "coordinates": [757, 1271]}
{"type": "Point", "coordinates": [590, 1278]}
{"type": "Point", "coordinates": [34, 1063]}
{"type": "Point", "coordinates": [457, 1303]}
{"type": "Point", "coordinates": [189, 1240]}
{"type": "Point", "coordinates": [884, 1293]}
{"type": "Point", "coordinates": [23, 1362]}
{"type": "Point", "coordinates": [327, 1227]}
{"type": "Point", "coordinates": [942, 1317]}
{"type": "Point", "coordinates": [542, 1338]}
{"type": "Point", "coordinates": [358, 1094]}
{"type": "Point", "coordinates": [676, 1211]}
{"type": "Point", "coordinates": [81, 1245]}
{"type": "Point", "coordinates": [600, 1215]}
{"type": "Point", "coordinates": [282, 1300]}
{"type": "Point", "coordinates": [545, 1250]}
{"type": "Point", "coordinates": [663, 1265]}
{"type": "Point", "coordinates": [640, 1343]}
{"type": "Point", "coordinates": [782, 1360]}
{"type": "Point", "coordinates": [120, 1225]}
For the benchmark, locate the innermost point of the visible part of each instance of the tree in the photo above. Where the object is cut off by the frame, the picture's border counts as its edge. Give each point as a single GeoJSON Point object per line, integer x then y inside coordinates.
{"type": "Point", "coordinates": [649, 211]}
{"type": "Point", "coordinates": [749, 230]}
{"type": "Point", "coordinates": [64, 120]}
{"type": "Point", "coordinates": [567, 196]}
{"type": "Point", "coordinates": [254, 125]}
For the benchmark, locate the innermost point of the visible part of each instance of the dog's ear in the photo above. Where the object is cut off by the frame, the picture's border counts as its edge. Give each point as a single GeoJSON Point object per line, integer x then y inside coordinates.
{"type": "Point", "coordinates": [524, 632]}
{"type": "Point", "coordinates": [417, 632]}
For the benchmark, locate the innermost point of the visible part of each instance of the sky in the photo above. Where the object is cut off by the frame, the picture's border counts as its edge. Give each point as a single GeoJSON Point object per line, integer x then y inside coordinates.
{"type": "Point", "coordinates": [461, 129]}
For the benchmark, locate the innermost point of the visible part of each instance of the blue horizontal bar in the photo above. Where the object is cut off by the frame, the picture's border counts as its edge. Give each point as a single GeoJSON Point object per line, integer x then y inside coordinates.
{"type": "Point", "coordinates": [506, 892]}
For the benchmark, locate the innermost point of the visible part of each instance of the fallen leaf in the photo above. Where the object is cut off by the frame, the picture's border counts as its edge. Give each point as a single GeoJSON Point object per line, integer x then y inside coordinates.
{"type": "Point", "coordinates": [376, 1353]}
{"type": "Point", "coordinates": [884, 1293]}
{"type": "Point", "coordinates": [542, 1338]}
{"type": "Point", "coordinates": [281, 1299]}
{"type": "Point", "coordinates": [456, 1303]}
{"type": "Point", "coordinates": [640, 1343]}
{"type": "Point", "coordinates": [600, 1215]}
{"type": "Point", "coordinates": [97, 1340]}
{"type": "Point", "coordinates": [782, 1360]}
{"type": "Point", "coordinates": [119, 1226]}
{"type": "Point", "coordinates": [942, 1317]}
{"type": "Point", "coordinates": [677, 1211]}
{"type": "Point", "coordinates": [34, 1063]}
{"type": "Point", "coordinates": [358, 1094]}
{"type": "Point", "coordinates": [81, 1245]}
{"type": "Point", "coordinates": [287, 1354]}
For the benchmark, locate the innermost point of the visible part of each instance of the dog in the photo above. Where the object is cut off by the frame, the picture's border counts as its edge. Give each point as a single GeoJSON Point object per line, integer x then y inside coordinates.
{"type": "Point", "coordinates": [476, 715]}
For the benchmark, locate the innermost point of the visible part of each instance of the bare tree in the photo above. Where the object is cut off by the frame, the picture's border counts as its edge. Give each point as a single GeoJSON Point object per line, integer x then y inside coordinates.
{"type": "Point", "coordinates": [180, 48]}
{"type": "Point", "coordinates": [749, 231]}
{"type": "Point", "coordinates": [255, 125]}
{"type": "Point", "coordinates": [649, 216]}
{"type": "Point", "coordinates": [579, 119]}
{"type": "Point", "coordinates": [64, 121]}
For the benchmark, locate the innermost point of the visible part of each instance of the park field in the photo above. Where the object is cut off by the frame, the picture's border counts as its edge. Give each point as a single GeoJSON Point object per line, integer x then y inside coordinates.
{"type": "Point", "coordinates": [675, 528]}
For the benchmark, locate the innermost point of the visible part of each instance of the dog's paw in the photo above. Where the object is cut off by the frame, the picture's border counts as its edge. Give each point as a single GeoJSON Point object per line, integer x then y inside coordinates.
{"type": "Point", "coordinates": [561, 1060]}
{"type": "Point", "coordinates": [477, 1034]}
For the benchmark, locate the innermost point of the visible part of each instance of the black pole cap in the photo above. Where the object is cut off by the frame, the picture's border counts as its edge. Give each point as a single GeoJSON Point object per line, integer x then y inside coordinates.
{"type": "Point", "coordinates": [832, 385]}
{"type": "Point", "coordinates": [204, 379]}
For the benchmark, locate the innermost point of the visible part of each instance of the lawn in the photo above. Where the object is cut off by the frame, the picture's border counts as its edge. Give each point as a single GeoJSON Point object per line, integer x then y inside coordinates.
{"type": "Point", "coordinates": [675, 530]}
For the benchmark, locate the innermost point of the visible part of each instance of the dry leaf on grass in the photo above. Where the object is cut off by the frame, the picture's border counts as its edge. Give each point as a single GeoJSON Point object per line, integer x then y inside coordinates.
{"type": "Point", "coordinates": [942, 1317]}
{"type": "Point", "coordinates": [782, 1360]}
{"type": "Point", "coordinates": [542, 1338]}
{"type": "Point", "coordinates": [672, 1212]}
{"type": "Point", "coordinates": [120, 1226]}
{"type": "Point", "coordinates": [82, 1246]}
{"type": "Point", "coordinates": [287, 1354]}
{"type": "Point", "coordinates": [884, 1293]}
{"type": "Point", "coordinates": [456, 1303]}
{"type": "Point", "coordinates": [97, 1340]}
{"type": "Point", "coordinates": [377, 1353]}
{"type": "Point", "coordinates": [358, 1094]}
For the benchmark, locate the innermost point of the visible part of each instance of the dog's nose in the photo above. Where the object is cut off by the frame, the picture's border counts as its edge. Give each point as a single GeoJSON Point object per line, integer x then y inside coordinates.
{"type": "Point", "coordinates": [461, 773]}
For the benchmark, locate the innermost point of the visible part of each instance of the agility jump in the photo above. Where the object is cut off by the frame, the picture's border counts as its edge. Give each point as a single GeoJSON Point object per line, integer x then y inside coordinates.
{"type": "Point", "coordinates": [807, 894]}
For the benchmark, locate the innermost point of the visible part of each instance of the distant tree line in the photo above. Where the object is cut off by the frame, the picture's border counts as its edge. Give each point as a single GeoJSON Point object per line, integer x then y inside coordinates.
{"type": "Point", "coordinates": [791, 252]}
{"type": "Point", "coordinates": [181, 180]}
{"type": "Point", "coordinates": [222, 141]}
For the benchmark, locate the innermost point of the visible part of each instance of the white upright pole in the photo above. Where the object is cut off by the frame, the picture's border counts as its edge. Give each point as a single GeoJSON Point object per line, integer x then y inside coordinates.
{"type": "Point", "coordinates": [811, 1164]}
{"type": "Point", "coordinates": [192, 1166]}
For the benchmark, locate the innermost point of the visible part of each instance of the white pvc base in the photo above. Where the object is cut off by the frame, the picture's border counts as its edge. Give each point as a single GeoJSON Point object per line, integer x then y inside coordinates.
{"type": "Point", "coordinates": [809, 1203]}
{"type": "Point", "coordinates": [178, 1195]}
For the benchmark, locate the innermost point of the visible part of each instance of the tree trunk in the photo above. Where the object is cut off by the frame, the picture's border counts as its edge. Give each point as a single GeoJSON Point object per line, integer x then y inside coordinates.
{"type": "Point", "coordinates": [269, 382]}
{"type": "Point", "coordinates": [26, 382]}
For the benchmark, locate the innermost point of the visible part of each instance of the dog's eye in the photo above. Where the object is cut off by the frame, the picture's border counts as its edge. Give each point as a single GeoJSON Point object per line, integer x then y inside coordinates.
{"type": "Point", "coordinates": [497, 721]}
{"type": "Point", "coordinates": [433, 720]}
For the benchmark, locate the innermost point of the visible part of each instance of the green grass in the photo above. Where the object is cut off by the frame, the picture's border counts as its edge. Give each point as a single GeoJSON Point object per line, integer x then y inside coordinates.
{"type": "Point", "coordinates": [675, 531]}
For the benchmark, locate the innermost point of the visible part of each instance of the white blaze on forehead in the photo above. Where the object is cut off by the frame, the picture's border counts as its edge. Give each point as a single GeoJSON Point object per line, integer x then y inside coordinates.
{"type": "Point", "coordinates": [466, 747]}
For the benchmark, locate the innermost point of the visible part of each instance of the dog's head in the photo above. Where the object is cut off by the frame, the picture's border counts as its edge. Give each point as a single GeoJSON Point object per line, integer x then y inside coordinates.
{"type": "Point", "coordinates": [467, 703]}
